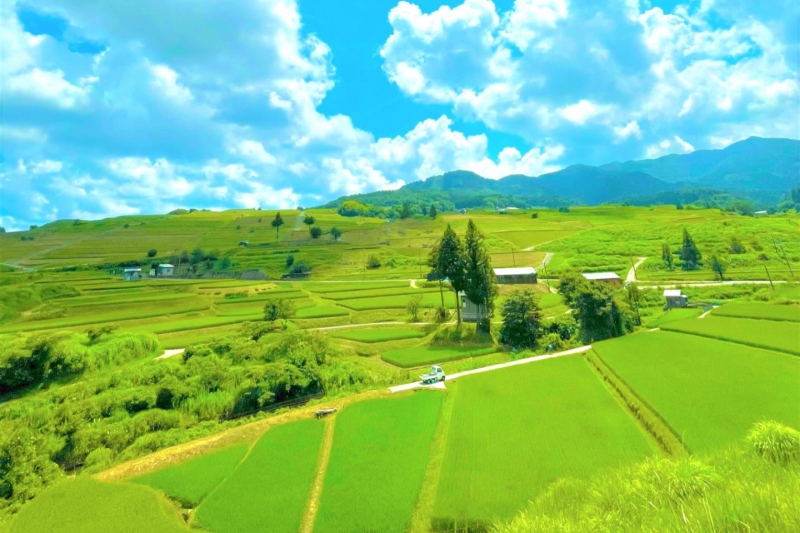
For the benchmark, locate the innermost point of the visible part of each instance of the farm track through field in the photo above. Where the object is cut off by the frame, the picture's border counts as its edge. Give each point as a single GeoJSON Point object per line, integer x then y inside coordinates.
{"type": "Point", "coordinates": [310, 514]}
{"type": "Point", "coordinates": [632, 272]}
{"type": "Point", "coordinates": [419, 385]}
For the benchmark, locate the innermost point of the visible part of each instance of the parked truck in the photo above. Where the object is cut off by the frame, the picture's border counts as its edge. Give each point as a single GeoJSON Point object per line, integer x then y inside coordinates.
{"type": "Point", "coordinates": [435, 375]}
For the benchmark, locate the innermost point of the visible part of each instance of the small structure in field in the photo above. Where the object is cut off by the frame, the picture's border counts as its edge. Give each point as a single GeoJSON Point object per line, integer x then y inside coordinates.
{"type": "Point", "coordinates": [515, 275]}
{"type": "Point", "coordinates": [132, 274]}
{"type": "Point", "coordinates": [675, 298]}
{"type": "Point", "coordinates": [165, 270]}
{"type": "Point", "coordinates": [254, 274]}
{"type": "Point", "coordinates": [469, 309]}
{"type": "Point", "coordinates": [761, 213]}
{"type": "Point", "coordinates": [604, 277]}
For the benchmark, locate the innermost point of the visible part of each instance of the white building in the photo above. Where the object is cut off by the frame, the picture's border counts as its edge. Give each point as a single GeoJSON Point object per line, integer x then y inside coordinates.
{"type": "Point", "coordinates": [675, 298]}
{"type": "Point", "coordinates": [515, 275]}
{"type": "Point", "coordinates": [604, 277]}
{"type": "Point", "coordinates": [165, 270]}
{"type": "Point", "coordinates": [132, 274]}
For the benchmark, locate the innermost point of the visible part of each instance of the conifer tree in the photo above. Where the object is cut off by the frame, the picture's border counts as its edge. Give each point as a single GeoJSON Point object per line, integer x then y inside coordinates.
{"type": "Point", "coordinates": [432, 212]}
{"type": "Point", "coordinates": [481, 285]}
{"type": "Point", "coordinates": [690, 255]}
{"type": "Point", "coordinates": [447, 261]}
{"type": "Point", "coordinates": [666, 255]}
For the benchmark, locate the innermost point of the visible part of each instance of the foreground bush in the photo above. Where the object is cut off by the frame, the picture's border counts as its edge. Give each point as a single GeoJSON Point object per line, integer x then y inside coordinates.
{"type": "Point", "coordinates": [731, 491]}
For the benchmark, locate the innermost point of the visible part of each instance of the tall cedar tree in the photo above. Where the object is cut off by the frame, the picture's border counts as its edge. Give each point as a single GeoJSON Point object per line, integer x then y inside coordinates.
{"type": "Point", "coordinates": [481, 284]}
{"type": "Point", "coordinates": [718, 267]}
{"type": "Point", "coordinates": [690, 255]}
{"type": "Point", "coordinates": [447, 261]}
{"type": "Point", "coordinates": [521, 320]}
{"type": "Point", "coordinates": [432, 212]}
{"type": "Point", "coordinates": [277, 223]}
{"type": "Point", "coordinates": [600, 315]}
{"type": "Point", "coordinates": [666, 256]}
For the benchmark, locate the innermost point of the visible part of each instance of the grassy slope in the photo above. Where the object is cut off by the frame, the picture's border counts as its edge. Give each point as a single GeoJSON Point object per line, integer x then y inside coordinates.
{"type": "Point", "coordinates": [193, 480]}
{"type": "Point", "coordinates": [769, 334]}
{"type": "Point", "coordinates": [269, 489]}
{"type": "Point", "coordinates": [379, 335]}
{"type": "Point", "coordinates": [377, 463]}
{"type": "Point", "coordinates": [514, 431]}
{"type": "Point", "coordinates": [88, 506]}
{"type": "Point", "coordinates": [709, 392]}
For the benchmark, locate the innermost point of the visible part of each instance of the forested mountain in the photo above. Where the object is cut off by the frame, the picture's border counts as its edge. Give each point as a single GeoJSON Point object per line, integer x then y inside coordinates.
{"type": "Point", "coordinates": [756, 169]}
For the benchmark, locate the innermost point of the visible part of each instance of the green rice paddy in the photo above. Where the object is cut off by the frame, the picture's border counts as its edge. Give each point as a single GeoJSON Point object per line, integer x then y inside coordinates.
{"type": "Point", "coordinates": [514, 431]}
{"type": "Point", "coordinates": [84, 505]}
{"type": "Point", "coordinates": [269, 489]}
{"type": "Point", "coordinates": [709, 392]}
{"type": "Point", "coordinates": [772, 335]}
{"type": "Point", "coordinates": [380, 451]}
{"type": "Point", "coordinates": [191, 481]}
{"type": "Point", "coordinates": [759, 310]}
{"type": "Point", "coordinates": [321, 311]}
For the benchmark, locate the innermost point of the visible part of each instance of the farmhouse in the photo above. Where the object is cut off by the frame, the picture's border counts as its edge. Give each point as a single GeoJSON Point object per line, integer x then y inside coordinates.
{"type": "Point", "coordinates": [604, 277]}
{"type": "Point", "coordinates": [675, 298]}
{"type": "Point", "coordinates": [515, 275]}
{"type": "Point", "coordinates": [165, 270]}
{"type": "Point", "coordinates": [132, 274]}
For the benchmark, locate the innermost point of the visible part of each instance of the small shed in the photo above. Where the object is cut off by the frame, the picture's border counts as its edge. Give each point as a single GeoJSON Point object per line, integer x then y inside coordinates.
{"type": "Point", "coordinates": [515, 275]}
{"type": "Point", "coordinates": [132, 274]}
{"type": "Point", "coordinates": [469, 310]}
{"type": "Point", "coordinates": [165, 270]}
{"type": "Point", "coordinates": [675, 298]}
{"type": "Point", "coordinates": [761, 213]}
{"type": "Point", "coordinates": [604, 277]}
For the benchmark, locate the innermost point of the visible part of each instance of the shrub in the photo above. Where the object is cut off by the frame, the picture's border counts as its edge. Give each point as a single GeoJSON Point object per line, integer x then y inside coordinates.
{"type": "Point", "coordinates": [775, 442]}
{"type": "Point", "coordinates": [373, 262]}
{"type": "Point", "coordinates": [152, 252]}
{"type": "Point", "coordinates": [289, 260]}
{"type": "Point", "coordinates": [316, 232]}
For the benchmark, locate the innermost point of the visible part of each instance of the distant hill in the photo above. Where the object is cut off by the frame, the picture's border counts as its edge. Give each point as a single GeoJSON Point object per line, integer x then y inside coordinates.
{"type": "Point", "coordinates": [756, 169]}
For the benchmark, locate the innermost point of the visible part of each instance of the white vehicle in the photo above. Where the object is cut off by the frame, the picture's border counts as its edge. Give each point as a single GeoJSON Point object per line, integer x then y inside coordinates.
{"type": "Point", "coordinates": [435, 375]}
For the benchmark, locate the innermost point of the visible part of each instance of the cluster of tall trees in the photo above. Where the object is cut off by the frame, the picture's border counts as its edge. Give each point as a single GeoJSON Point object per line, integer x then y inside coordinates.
{"type": "Point", "coordinates": [467, 266]}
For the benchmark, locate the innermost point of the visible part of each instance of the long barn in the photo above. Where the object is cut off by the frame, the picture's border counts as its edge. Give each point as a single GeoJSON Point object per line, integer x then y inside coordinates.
{"type": "Point", "coordinates": [515, 275]}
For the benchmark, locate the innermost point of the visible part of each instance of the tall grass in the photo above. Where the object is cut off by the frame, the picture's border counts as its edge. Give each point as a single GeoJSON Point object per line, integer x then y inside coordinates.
{"type": "Point", "coordinates": [731, 491]}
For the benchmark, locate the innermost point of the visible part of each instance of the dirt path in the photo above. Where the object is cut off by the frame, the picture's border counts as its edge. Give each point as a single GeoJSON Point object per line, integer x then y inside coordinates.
{"type": "Point", "coordinates": [413, 283]}
{"type": "Point", "coordinates": [706, 313]}
{"type": "Point", "coordinates": [171, 353]}
{"type": "Point", "coordinates": [546, 261]}
{"type": "Point", "coordinates": [419, 385]}
{"type": "Point", "coordinates": [632, 272]}
{"type": "Point", "coordinates": [310, 515]}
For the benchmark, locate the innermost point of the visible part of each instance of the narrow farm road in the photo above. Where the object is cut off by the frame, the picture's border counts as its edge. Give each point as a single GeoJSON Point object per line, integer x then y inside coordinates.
{"type": "Point", "coordinates": [299, 222]}
{"type": "Point", "coordinates": [418, 384]}
{"type": "Point", "coordinates": [310, 515]}
{"type": "Point", "coordinates": [632, 272]}
{"type": "Point", "coordinates": [413, 283]}
{"type": "Point", "coordinates": [706, 313]}
{"type": "Point", "coordinates": [546, 261]}
{"type": "Point", "coordinates": [676, 284]}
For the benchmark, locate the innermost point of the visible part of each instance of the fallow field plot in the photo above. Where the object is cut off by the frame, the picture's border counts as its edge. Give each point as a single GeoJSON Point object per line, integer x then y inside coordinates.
{"type": "Point", "coordinates": [380, 451]}
{"type": "Point", "coordinates": [516, 430]}
{"type": "Point", "coordinates": [769, 334]}
{"type": "Point", "coordinates": [84, 505]}
{"type": "Point", "coordinates": [269, 489]}
{"type": "Point", "coordinates": [380, 334]}
{"type": "Point", "coordinates": [709, 392]}
{"type": "Point", "coordinates": [426, 355]}
{"type": "Point", "coordinates": [191, 481]}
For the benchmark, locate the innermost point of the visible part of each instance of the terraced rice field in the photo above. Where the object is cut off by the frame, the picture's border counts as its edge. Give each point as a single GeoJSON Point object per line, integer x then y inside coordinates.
{"type": "Point", "coordinates": [769, 334]}
{"type": "Point", "coordinates": [190, 482]}
{"type": "Point", "coordinates": [379, 334]}
{"type": "Point", "coordinates": [321, 311]}
{"type": "Point", "coordinates": [426, 355]}
{"type": "Point", "coordinates": [759, 310]}
{"type": "Point", "coordinates": [429, 299]}
{"type": "Point", "coordinates": [709, 392]}
{"type": "Point", "coordinates": [269, 489]}
{"type": "Point", "coordinates": [377, 463]}
{"type": "Point", "coordinates": [84, 505]}
{"type": "Point", "coordinates": [513, 431]}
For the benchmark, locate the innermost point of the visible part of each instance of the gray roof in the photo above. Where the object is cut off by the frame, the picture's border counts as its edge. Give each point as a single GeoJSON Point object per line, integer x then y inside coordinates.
{"type": "Point", "coordinates": [597, 276]}
{"type": "Point", "coordinates": [518, 271]}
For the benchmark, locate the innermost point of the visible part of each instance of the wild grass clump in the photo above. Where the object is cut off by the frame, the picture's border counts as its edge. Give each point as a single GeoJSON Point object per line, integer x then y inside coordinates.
{"type": "Point", "coordinates": [775, 442]}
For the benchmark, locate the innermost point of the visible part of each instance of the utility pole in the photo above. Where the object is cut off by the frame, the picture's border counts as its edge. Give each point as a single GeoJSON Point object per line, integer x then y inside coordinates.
{"type": "Point", "coordinates": [419, 262]}
{"type": "Point", "coordinates": [513, 258]}
{"type": "Point", "coordinates": [769, 277]}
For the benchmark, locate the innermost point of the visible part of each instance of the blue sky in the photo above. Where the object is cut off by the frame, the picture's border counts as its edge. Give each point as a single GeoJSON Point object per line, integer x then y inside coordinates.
{"type": "Point", "coordinates": [126, 107]}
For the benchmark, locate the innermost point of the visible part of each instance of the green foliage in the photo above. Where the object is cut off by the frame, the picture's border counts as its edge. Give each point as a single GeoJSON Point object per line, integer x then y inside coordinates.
{"type": "Point", "coordinates": [718, 267]}
{"type": "Point", "coordinates": [377, 464]}
{"type": "Point", "coordinates": [521, 320]}
{"type": "Point", "coordinates": [446, 258]}
{"type": "Point", "coordinates": [191, 481]}
{"type": "Point", "coordinates": [315, 232]}
{"type": "Point", "coordinates": [84, 505]}
{"type": "Point", "coordinates": [690, 255]}
{"type": "Point", "coordinates": [775, 442]}
{"type": "Point", "coordinates": [276, 223]}
{"type": "Point", "coordinates": [300, 267]}
{"type": "Point", "coordinates": [432, 213]}
{"type": "Point", "coordinates": [336, 233]}
{"type": "Point", "coordinates": [289, 260]}
{"type": "Point", "coordinates": [671, 372]}
{"type": "Point", "coordinates": [480, 285]}
{"type": "Point", "coordinates": [279, 309]}
{"type": "Point", "coordinates": [600, 314]}
{"type": "Point", "coordinates": [413, 307]}
{"type": "Point", "coordinates": [309, 220]}
{"type": "Point", "coordinates": [570, 286]}
{"type": "Point", "coordinates": [666, 256]}
{"type": "Point", "coordinates": [152, 252]}
{"type": "Point", "coordinates": [269, 490]}
{"type": "Point", "coordinates": [515, 431]}
{"type": "Point", "coordinates": [373, 262]}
